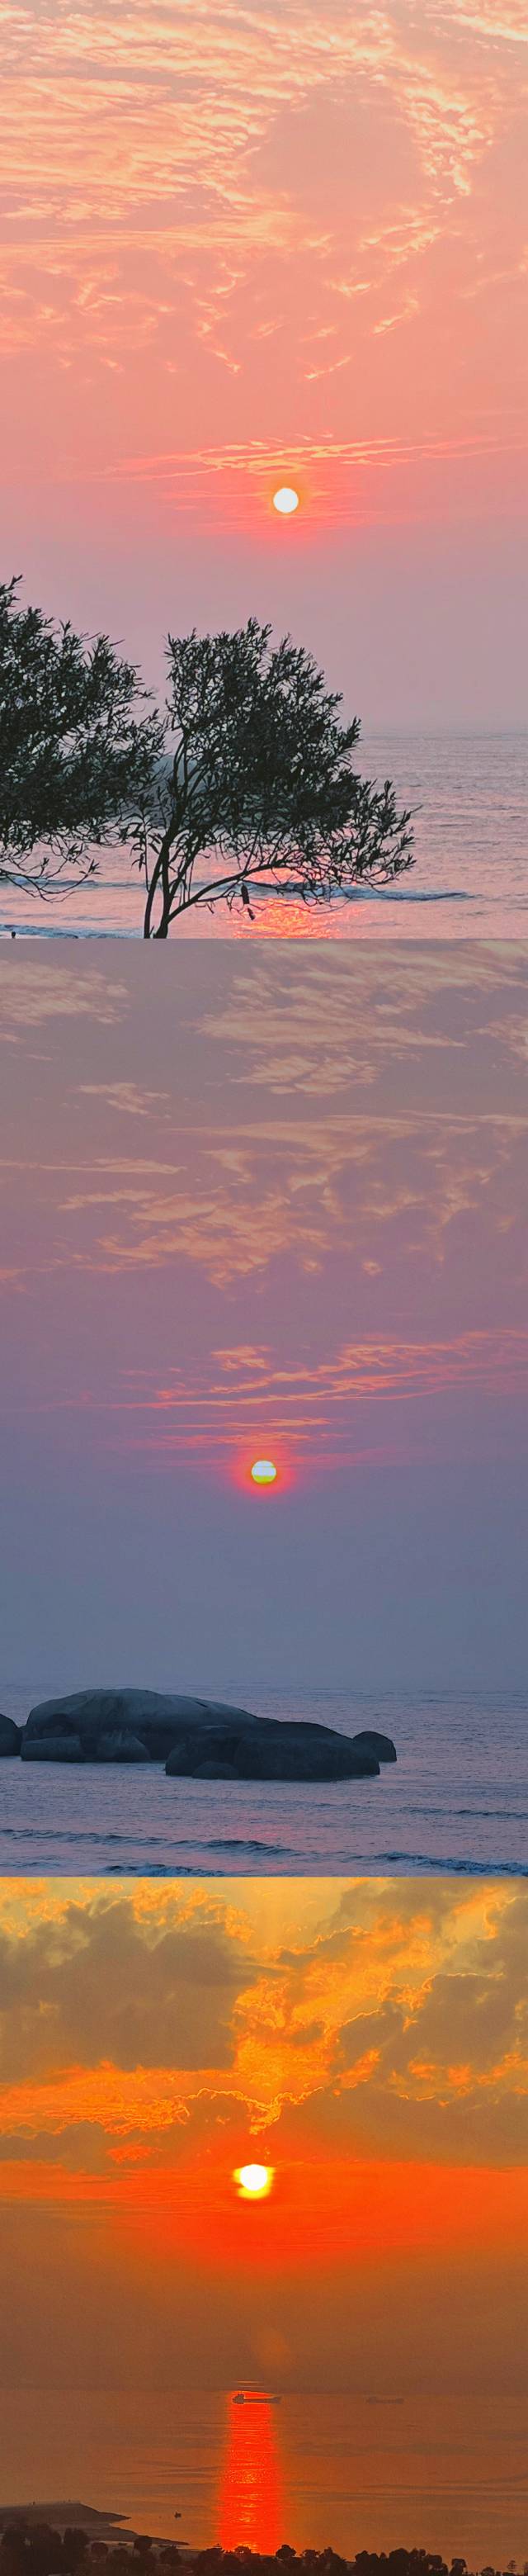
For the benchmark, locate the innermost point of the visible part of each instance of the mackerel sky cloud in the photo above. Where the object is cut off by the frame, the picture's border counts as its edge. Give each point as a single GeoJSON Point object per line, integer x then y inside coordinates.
{"type": "Point", "coordinates": [238, 247]}
{"type": "Point", "coordinates": [280, 1214]}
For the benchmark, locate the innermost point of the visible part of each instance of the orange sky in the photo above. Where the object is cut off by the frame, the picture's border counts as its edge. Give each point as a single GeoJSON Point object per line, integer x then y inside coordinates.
{"type": "Point", "coordinates": [367, 2040]}
{"type": "Point", "coordinates": [239, 245]}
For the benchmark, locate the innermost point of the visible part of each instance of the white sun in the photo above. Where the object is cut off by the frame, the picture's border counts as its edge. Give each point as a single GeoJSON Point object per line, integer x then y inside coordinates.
{"type": "Point", "coordinates": [286, 501]}
{"type": "Point", "coordinates": [264, 1471]}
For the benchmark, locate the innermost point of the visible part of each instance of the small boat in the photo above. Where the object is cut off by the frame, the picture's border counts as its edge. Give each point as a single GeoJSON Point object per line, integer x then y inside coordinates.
{"type": "Point", "coordinates": [254, 2397]}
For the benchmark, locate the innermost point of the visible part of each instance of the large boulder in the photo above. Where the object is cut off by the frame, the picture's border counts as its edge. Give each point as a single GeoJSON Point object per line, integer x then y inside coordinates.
{"type": "Point", "coordinates": [196, 1738]}
{"type": "Point", "coordinates": [121, 1748]}
{"type": "Point", "coordinates": [300, 1751]}
{"type": "Point", "coordinates": [271, 1749]}
{"type": "Point", "coordinates": [52, 1748]}
{"type": "Point", "coordinates": [213, 1770]}
{"type": "Point", "coordinates": [380, 1745]}
{"type": "Point", "coordinates": [211, 1747]}
{"type": "Point", "coordinates": [157, 1719]}
{"type": "Point", "coordinates": [10, 1736]}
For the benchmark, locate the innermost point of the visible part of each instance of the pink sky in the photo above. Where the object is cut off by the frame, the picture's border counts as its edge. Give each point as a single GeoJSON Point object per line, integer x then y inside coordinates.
{"type": "Point", "coordinates": [274, 1207]}
{"type": "Point", "coordinates": [248, 242]}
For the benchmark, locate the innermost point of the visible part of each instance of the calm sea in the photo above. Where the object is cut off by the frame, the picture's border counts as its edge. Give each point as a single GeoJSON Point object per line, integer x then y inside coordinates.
{"type": "Point", "coordinates": [356, 2471]}
{"type": "Point", "coordinates": [456, 1800]}
{"type": "Point", "coordinates": [469, 793]}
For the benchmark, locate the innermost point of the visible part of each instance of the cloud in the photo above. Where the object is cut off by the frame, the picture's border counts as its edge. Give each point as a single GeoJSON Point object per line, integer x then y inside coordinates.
{"type": "Point", "coordinates": [189, 185]}
{"type": "Point", "coordinates": [345, 1021]}
{"type": "Point", "coordinates": [37, 992]}
{"type": "Point", "coordinates": [126, 1098]}
{"type": "Point", "coordinates": [391, 2019]}
{"type": "Point", "coordinates": [344, 483]}
{"type": "Point", "coordinates": [102, 1982]}
{"type": "Point", "coordinates": [243, 1393]}
{"type": "Point", "coordinates": [309, 1192]}
{"type": "Point", "coordinates": [366, 2038]}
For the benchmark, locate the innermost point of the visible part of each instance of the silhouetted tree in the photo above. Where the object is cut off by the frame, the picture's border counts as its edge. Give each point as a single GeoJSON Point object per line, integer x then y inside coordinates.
{"type": "Point", "coordinates": [74, 2549]}
{"type": "Point", "coordinates": [32, 2548]}
{"type": "Point", "coordinates": [77, 747]}
{"type": "Point", "coordinates": [12, 2547]}
{"type": "Point", "coordinates": [261, 784]}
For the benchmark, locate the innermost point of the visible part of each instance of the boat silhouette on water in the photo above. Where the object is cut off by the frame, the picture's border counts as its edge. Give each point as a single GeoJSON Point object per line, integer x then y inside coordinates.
{"type": "Point", "coordinates": [254, 2397]}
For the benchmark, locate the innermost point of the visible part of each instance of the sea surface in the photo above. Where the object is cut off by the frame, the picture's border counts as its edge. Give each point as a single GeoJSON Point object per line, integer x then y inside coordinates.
{"type": "Point", "coordinates": [469, 795]}
{"type": "Point", "coordinates": [456, 1799]}
{"type": "Point", "coordinates": [357, 2471]}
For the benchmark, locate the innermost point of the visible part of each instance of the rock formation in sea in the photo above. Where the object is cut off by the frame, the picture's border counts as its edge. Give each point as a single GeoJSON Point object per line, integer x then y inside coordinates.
{"type": "Point", "coordinates": [10, 1735]}
{"type": "Point", "coordinates": [195, 1738]}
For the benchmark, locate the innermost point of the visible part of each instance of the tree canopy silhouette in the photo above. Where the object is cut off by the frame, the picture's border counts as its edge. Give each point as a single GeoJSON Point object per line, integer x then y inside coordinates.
{"type": "Point", "coordinates": [77, 747]}
{"type": "Point", "coordinates": [29, 2547]}
{"type": "Point", "coordinates": [249, 777]}
{"type": "Point", "coordinates": [261, 784]}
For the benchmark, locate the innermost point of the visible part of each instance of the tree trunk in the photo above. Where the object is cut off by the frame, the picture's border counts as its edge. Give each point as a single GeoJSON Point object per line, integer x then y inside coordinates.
{"type": "Point", "coordinates": [160, 876]}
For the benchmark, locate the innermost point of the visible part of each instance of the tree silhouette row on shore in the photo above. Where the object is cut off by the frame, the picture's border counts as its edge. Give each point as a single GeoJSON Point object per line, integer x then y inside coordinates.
{"type": "Point", "coordinates": [30, 2548]}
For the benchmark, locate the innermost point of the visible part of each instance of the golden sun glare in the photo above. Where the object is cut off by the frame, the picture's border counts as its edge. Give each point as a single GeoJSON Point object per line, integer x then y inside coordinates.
{"type": "Point", "coordinates": [254, 2180]}
{"type": "Point", "coordinates": [286, 500]}
{"type": "Point", "coordinates": [264, 1471]}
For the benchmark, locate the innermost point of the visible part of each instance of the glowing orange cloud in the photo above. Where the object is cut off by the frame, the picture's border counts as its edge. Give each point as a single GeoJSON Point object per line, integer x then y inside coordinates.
{"type": "Point", "coordinates": [360, 2043]}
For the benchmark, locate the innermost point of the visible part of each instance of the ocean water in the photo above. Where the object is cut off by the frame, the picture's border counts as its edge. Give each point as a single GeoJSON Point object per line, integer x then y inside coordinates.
{"type": "Point", "coordinates": [456, 1799]}
{"type": "Point", "coordinates": [357, 2471]}
{"type": "Point", "coordinates": [469, 795]}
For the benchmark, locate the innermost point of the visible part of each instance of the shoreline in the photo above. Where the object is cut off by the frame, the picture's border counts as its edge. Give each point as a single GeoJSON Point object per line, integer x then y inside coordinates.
{"type": "Point", "coordinates": [112, 2545]}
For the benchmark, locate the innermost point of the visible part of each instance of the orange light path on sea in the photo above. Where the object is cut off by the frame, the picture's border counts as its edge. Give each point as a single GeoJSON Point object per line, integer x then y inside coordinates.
{"type": "Point", "coordinates": [250, 2494]}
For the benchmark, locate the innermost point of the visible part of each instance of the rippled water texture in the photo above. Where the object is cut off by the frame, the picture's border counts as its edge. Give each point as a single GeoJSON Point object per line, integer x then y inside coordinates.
{"type": "Point", "coordinates": [342, 2469]}
{"type": "Point", "coordinates": [469, 794]}
{"type": "Point", "coordinates": [457, 1799]}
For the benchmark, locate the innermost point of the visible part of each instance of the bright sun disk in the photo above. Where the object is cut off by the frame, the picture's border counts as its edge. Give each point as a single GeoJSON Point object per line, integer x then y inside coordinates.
{"type": "Point", "coordinates": [263, 1471]}
{"type": "Point", "coordinates": [254, 2180]}
{"type": "Point", "coordinates": [286, 501]}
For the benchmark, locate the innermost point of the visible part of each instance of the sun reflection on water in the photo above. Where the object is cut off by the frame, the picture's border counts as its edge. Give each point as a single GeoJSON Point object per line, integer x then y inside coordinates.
{"type": "Point", "coordinates": [250, 2494]}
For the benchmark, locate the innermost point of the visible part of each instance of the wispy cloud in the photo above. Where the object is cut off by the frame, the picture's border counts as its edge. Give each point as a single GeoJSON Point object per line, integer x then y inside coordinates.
{"type": "Point", "coordinates": [307, 1407]}
{"type": "Point", "coordinates": [127, 1099]}
{"type": "Point", "coordinates": [335, 1025]}
{"type": "Point", "coordinates": [34, 994]}
{"type": "Point", "coordinates": [181, 184]}
{"type": "Point", "coordinates": [308, 1193]}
